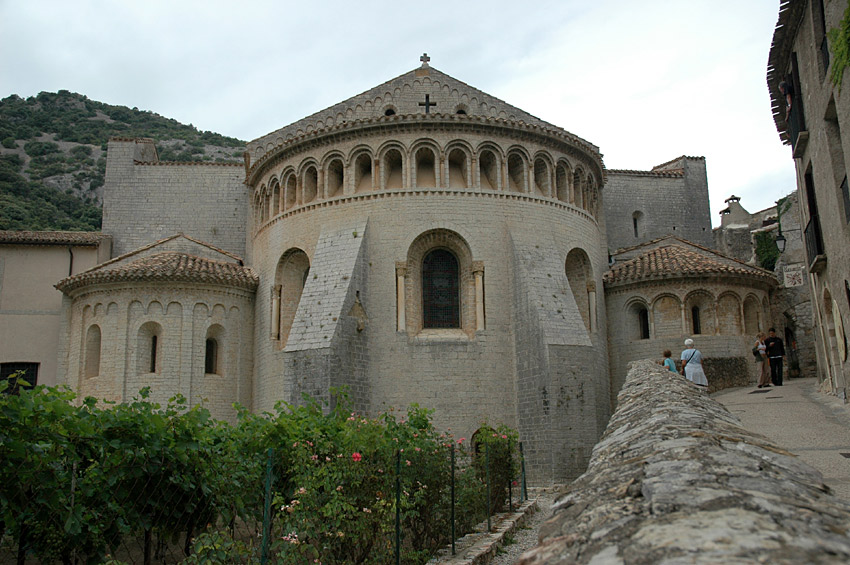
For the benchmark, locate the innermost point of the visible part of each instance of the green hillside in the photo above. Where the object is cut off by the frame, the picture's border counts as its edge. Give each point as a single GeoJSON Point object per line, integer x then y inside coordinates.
{"type": "Point", "coordinates": [53, 156]}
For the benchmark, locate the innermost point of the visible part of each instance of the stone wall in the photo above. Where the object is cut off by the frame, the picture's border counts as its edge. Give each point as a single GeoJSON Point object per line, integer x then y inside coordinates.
{"type": "Point", "coordinates": [145, 200]}
{"type": "Point", "coordinates": [664, 201]}
{"type": "Point", "coordinates": [676, 479]}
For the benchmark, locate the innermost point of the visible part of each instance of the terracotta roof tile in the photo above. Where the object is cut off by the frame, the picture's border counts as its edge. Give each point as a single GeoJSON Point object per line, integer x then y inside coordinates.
{"type": "Point", "coordinates": [675, 261]}
{"type": "Point", "coordinates": [168, 266]}
{"type": "Point", "coordinates": [91, 238]}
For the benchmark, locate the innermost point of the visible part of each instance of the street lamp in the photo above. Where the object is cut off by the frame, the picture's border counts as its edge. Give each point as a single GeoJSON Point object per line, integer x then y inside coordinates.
{"type": "Point", "coordinates": [780, 242]}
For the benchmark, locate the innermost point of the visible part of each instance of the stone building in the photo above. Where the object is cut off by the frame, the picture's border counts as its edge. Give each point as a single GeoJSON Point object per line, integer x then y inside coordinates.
{"type": "Point", "coordinates": [669, 199]}
{"type": "Point", "coordinates": [665, 290]}
{"type": "Point", "coordinates": [813, 118]}
{"type": "Point", "coordinates": [30, 308]}
{"type": "Point", "coordinates": [738, 236]}
{"type": "Point", "coordinates": [420, 242]}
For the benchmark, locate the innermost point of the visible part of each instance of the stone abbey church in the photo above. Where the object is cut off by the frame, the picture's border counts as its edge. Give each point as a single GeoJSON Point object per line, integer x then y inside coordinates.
{"type": "Point", "coordinates": [420, 242]}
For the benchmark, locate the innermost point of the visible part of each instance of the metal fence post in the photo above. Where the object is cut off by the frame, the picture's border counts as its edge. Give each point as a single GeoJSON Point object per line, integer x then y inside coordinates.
{"type": "Point", "coordinates": [267, 507]}
{"type": "Point", "coordinates": [524, 493]}
{"type": "Point", "coordinates": [398, 507]}
{"type": "Point", "coordinates": [453, 499]}
{"type": "Point", "coordinates": [487, 460]}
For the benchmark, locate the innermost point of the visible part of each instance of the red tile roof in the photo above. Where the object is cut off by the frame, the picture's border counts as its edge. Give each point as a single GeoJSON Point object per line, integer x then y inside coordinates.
{"type": "Point", "coordinates": [678, 261]}
{"type": "Point", "coordinates": [168, 266]}
{"type": "Point", "coordinates": [90, 238]}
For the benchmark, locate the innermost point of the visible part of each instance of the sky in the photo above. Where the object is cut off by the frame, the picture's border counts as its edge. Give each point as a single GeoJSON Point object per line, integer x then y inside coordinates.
{"type": "Point", "coordinates": [644, 81]}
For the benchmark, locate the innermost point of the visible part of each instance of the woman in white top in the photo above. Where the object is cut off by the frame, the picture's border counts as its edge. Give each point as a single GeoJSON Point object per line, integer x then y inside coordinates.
{"type": "Point", "coordinates": [692, 364]}
{"type": "Point", "coordinates": [764, 367]}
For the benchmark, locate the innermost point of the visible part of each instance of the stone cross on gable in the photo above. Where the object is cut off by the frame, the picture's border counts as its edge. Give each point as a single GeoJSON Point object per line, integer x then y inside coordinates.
{"type": "Point", "coordinates": [424, 58]}
{"type": "Point", "coordinates": [427, 103]}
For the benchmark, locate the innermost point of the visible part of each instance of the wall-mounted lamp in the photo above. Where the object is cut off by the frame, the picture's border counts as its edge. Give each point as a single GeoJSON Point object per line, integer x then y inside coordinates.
{"type": "Point", "coordinates": [780, 242]}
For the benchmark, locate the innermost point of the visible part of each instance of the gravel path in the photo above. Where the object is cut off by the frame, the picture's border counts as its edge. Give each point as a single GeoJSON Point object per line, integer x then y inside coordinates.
{"type": "Point", "coordinates": [526, 537]}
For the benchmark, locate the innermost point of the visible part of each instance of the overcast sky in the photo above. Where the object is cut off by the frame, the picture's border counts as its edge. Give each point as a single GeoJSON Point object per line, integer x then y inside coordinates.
{"type": "Point", "coordinates": [645, 81]}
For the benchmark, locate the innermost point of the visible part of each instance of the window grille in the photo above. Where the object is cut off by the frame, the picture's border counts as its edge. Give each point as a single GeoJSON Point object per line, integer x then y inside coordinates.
{"type": "Point", "coordinates": [441, 290]}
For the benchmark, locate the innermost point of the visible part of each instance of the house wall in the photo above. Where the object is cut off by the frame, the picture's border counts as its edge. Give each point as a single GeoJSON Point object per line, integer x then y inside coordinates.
{"type": "Point", "coordinates": [822, 152]}
{"type": "Point", "coordinates": [30, 307]}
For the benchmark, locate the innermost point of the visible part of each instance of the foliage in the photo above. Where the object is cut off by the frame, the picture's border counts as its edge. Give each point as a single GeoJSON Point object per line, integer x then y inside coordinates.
{"type": "Point", "coordinates": [39, 198]}
{"type": "Point", "coordinates": [766, 251]}
{"type": "Point", "coordinates": [79, 478]}
{"type": "Point", "coordinates": [495, 449]}
{"type": "Point", "coordinates": [839, 42]}
{"type": "Point", "coordinates": [28, 205]}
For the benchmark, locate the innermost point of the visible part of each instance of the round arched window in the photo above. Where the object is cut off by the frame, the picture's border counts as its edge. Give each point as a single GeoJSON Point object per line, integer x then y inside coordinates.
{"type": "Point", "coordinates": [440, 290]}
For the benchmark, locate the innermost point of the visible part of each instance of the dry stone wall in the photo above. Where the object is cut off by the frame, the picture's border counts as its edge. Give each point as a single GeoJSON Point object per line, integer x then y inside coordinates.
{"type": "Point", "coordinates": [676, 479]}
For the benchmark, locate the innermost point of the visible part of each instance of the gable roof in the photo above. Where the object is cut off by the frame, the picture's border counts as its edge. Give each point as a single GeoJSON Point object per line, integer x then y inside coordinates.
{"type": "Point", "coordinates": [79, 238]}
{"type": "Point", "coordinates": [671, 257]}
{"type": "Point", "coordinates": [402, 95]}
{"type": "Point", "coordinates": [169, 266]}
{"type": "Point", "coordinates": [177, 258]}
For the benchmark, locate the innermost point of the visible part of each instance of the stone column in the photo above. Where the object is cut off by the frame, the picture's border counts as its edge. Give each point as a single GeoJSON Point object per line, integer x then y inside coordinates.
{"type": "Point", "coordinates": [474, 174]}
{"type": "Point", "coordinates": [401, 277]}
{"type": "Point", "coordinates": [478, 273]}
{"type": "Point", "coordinates": [375, 178]}
{"type": "Point", "coordinates": [321, 189]}
{"type": "Point", "coordinates": [275, 333]}
{"type": "Point", "coordinates": [591, 298]}
{"type": "Point", "coordinates": [684, 319]}
{"type": "Point", "coordinates": [716, 320]}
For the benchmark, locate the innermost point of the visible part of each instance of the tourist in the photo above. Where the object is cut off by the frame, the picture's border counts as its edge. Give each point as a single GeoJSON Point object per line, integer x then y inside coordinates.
{"type": "Point", "coordinates": [760, 349]}
{"type": "Point", "coordinates": [775, 350]}
{"type": "Point", "coordinates": [692, 364]}
{"type": "Point", "coordinates": [668, 362]}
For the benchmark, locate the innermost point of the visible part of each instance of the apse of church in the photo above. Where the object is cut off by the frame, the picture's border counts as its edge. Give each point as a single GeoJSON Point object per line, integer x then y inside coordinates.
{"type": "Point", "coordinates": [422, 242]}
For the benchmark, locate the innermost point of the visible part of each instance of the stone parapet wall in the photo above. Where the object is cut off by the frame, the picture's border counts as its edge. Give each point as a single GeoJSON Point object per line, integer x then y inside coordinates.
{"type": "Point", "coordinates": [676, 479]}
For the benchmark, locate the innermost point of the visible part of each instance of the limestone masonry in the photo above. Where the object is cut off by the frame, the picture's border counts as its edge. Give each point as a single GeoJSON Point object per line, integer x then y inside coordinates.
{"type": "Point", "coordinates": [420, 242]}
{"type": "Point", "coordinates": [676, 479]}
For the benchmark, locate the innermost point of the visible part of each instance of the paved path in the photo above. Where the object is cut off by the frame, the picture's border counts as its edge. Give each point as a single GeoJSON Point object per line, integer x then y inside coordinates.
{"type": "Point", "coordinates": [802, 420]}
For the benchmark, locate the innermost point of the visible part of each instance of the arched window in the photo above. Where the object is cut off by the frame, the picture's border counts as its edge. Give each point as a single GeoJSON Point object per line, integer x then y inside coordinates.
{"type": "Point", "coordinates": [516, 172]}
{"type": "Point", "coordinates": [148, 345]}
{"type": "Point", "coordinates": [579, 276]}
{"type": "Point", "coordinates": [696, 323]}
{"type": "Point", "coordinates": [289, 192]}
{"type": "Point", "coordinates": [637, 222]}
{"type": "Point", "coordinates": [637, 320]}
{"type": "Point", "coordinates": [440, 290]}
{"type": "Point", "coordinates": [311, 183]}
{"type": "Point", "coordinates": [457, 169]}
{"type": "Point", "coordinates": [154, 340]}
{"type": "Point", "coordinates": [752, 317]}
{"type": "Point", "coordinates": [211, 357]}
{"type": "Point", "coordinates": [363, 172]}
{"type": "Point", "coordinates": [92, 363]}
{"type": "Point", "coordinates": [541, 176]}
{"type": "Point", "coordinates": [393, 169]}
{"type": "Point", "coordinates": [275, 199]}
{"type": "Point", "coordinates": [562, 182]}
{"type": "Point", "coordinates": [643, 321]}
{"type": "Point", "coordinates": [290, 279]}
{"type": "Point", "coordinates": [488, 167]}
{"type": "Point", "coordinates": [336, 178]}
{"type": "Point", "coordinates": [425, 168]}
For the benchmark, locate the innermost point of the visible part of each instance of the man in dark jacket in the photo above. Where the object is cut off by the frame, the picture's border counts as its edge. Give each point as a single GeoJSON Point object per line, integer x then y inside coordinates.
{"type": "Point", "coordinates": [775, 350]}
